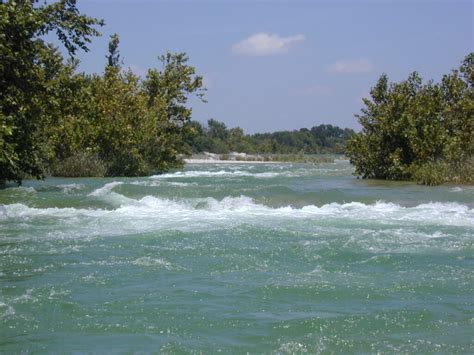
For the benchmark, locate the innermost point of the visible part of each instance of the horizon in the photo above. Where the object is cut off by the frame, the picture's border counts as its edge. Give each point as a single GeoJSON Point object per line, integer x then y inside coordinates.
{"type": "Point", "coordinates": [279, 65]}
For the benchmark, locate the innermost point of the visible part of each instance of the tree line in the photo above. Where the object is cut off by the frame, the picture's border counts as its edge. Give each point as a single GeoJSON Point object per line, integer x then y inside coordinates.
{"type": "Point", "coordinates": [418, 131]}
{"type": "Point", "coordinates": [215, 137]}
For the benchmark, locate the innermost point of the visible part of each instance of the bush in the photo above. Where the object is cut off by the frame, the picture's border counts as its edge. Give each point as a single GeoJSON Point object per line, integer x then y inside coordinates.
{"type": "Point", "coordinates": [431, 173]}
{"type": "Point", "coordinates": [416, 131]}
{"type": "Point", "coordinates": [81, 164]}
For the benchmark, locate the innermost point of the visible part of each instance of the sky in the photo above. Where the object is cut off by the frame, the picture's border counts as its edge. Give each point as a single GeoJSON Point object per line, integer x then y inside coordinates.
{"type": "Point", "coordinates": [283, 65]}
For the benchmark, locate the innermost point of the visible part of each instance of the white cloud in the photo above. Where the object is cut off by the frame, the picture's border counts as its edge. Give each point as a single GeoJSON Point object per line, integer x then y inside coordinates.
{"type": "Point", "coordinates": [262, 43]}
{"type": "Point", "coordinates": [351, 66]}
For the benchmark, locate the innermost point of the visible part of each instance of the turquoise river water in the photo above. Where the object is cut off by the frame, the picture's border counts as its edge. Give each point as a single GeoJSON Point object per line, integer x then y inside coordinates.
{"type": "Point", "coordinates": [258, 258]}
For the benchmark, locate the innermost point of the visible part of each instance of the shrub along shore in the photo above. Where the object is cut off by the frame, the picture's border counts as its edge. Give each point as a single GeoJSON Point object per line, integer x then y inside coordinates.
{"type": "Point", "coordinates": [417, 131]}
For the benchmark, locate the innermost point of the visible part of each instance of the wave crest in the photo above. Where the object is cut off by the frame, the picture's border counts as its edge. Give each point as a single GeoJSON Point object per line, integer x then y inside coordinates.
{"type": "Point", "coordinates": [244, 208]}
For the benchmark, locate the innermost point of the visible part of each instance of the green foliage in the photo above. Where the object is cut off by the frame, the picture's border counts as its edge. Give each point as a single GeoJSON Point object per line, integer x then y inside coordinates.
{"type": "Point", "coordinates": [167, 91]}
{"type": "Point", "coordinates": [217, 130]}
{"type": "Point", "coordinates": [217, 138]}
{"type": "Point", "coordinates": [412, 130]}
{"type": "Point", "coordinates": [119, 118]}
{"type": "Point", "coordinates": [26, 67]}
{"type": "Point", "coordinates": [113, 58]}
{"type": "Point", "coordinates": [134, 126]}
{"type": "Point", "coordinates": [81, 164]}
{"type": "Point", "coordinates": [56, 119]}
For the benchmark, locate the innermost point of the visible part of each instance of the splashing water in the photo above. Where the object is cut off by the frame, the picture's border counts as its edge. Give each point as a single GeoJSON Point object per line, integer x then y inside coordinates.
{"type": "Point", "coordinates": [281, 258]}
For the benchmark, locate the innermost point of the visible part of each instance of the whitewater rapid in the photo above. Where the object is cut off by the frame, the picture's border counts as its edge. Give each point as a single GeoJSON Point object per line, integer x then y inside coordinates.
{"type": "Point", "coordinates": [122, 215]}
{"type": "Point", "coordinates": [243, 209]}
{"type": "Point", "coordinates": [264, 258]}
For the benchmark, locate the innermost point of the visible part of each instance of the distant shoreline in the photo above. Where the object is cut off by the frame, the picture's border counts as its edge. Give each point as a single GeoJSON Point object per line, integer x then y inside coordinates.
{"type": "Point", "coordinates": [243, 158]}
{"type": "Point", "coordinates": [216, 161]}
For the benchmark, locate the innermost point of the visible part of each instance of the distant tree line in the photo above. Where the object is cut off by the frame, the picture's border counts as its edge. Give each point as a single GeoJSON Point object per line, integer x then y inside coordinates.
{"type": "Point", "coordinates": [57, 120]}
{"type": "Point", "coordinates": [217, 138]}
{"type": "Point", "coordinates": [416, 131]}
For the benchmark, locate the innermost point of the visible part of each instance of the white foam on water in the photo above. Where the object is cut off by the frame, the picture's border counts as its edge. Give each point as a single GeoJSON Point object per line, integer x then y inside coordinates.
{"type": "Point", "coordinates": [25, 189]}
{"type": "Point", "coordinates": [220, 173]}
{"type": "Point", "coordinates": [236, 172]}
{"type": "Point", "coordinates": [469, 189]}
{"type": "Point", "coordinates": [26, 298]}
{"type": "Point", "coordinates": [181, 184]}
{"type": "Point", "coordinates": [436, 235]}
{"type": "Point", "coordinates": [456, 189]}
{"type": "Point", "coordinates": [157, 183]}
{"type": "Point", "coordinates": [21, 211]}
{"type": "Point", "coordinates": [105, 189]}
{"type": "Point", "coordinates": [154, 212]}
{"type": "Point", "coordinates": [55, 294]}
{"type": "Point", "coordinates": [6, 311]}
{"type": "Point", "coordinates": [146, 183]}
{"type": "Point", "coordinates": [155, 262]}
{"type": "Point", "coordinates": [293, 347]}
{"type": "Point", "coordinates": [71, 188]}
{"type": "Point", "coordinates": [241, 173]}
{"type": "Point", "coordinates": [106, 194]}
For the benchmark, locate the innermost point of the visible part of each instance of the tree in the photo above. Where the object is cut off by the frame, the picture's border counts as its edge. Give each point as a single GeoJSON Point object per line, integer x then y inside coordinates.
{"type": "Point", "coordinates": [25, 69]}
{"type": "Point", "coordinates": [113, 58]}
{"type": "Point", "coordinates": [167, 92]}
{"type": "Point", "coordinates": [217, 130]}
{"type": "Point", "coordinates": [412, 130]}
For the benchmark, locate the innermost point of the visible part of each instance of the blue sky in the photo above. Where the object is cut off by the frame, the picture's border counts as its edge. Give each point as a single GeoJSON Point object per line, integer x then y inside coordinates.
{"type": "Point", "coordinates": [274, 65]}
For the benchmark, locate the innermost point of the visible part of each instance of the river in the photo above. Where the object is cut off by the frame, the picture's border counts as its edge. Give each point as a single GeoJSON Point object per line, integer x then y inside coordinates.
{"type": "Point", "coordinates": [259, 258]}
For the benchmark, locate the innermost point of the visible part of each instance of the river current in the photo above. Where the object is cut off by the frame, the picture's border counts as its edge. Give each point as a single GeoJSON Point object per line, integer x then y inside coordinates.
{"type": "Point", "coordinates": [259, 258]}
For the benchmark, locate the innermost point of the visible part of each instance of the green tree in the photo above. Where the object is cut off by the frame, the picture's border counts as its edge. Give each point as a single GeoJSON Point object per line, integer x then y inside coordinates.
{"type": "Point", "coordinates": [217, 130]}
{"type": "Point", "coordinates": [113, 58]}
{"type": "Point", "coordinates": [412, 130]}
{"type": "Point", "coordinates": [25, 68]}
{"type": "Point", "coordinates": [167, 92]}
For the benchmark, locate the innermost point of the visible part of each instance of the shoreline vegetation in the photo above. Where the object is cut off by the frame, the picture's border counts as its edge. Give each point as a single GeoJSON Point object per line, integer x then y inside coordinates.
{"type": "Point", "coordinates": [418, 131]}
{"type": "Point", "coordinates": [56, 120]}
{"type": "Point", "coordinates": [243, 158]}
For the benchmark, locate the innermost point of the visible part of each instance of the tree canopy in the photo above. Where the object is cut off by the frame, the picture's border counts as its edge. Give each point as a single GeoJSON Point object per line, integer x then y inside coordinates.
{"type": "Point", "coordinates": [55, 119]}
{"type": "Point", "coordinates": [412, 130]}
{"type": "Point", "coordinates": [217, 138]}
{"type": "Point", "coordinates": [27, 66]}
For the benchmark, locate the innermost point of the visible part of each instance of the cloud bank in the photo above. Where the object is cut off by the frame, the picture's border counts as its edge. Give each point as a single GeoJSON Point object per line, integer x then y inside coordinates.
{"type": "Point", "coordinates": [351, 66]}
{"type": "Point", "coordinates": [261, 44]}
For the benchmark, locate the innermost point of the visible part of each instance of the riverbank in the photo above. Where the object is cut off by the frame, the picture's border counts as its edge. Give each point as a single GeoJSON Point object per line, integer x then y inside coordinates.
{"type": "Point", "coordinates": [243, 158]}
{"type": "Point", "coordinates": [215, 161]}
